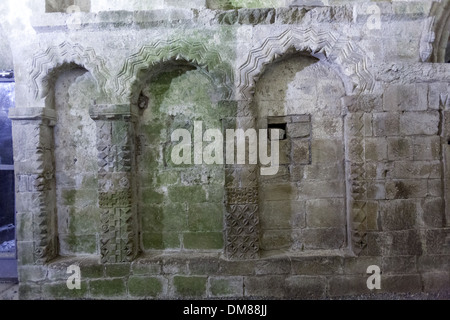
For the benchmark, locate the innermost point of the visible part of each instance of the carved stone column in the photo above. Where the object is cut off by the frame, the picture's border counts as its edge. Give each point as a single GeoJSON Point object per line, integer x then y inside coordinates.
{"type": "Point", "coordinates": [35, 184]}
{"type": "Point", "coordinates": [242, 203]}
{"type": "Point", "coordinates": [117, 184]}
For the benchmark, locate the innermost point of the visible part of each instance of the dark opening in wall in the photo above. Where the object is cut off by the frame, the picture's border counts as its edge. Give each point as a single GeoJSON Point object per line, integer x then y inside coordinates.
{"type": "Point", "coordinates": [67, 6]}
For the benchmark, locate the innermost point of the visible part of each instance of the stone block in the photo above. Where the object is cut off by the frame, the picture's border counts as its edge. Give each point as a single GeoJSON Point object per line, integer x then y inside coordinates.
{"type": "Point", "coordinates": [325, 213]}
{"type": "Point", "coordinates": [273, 267]}
{"type": "Point", "coordinates": [323, 238]}
{"type": "Point", "coordinates": [427, 148]}
{"type": "Point", "coordinates": [436, 282]}
{"type": "Point", "coordinates": [398, 215]}
{"type": "Point", "coordinates": [205, 217]}
{"type": "Point", "coordinates": [433, 214]}
{"type": "Point", "coordinates": [317, 265]}
{"type": "Point", "coordinates": [398, 265]}
{"type": "Point", "coordinates": [264, 287]}
{"type": "Point", "coordinates": [275, 239]}
{"type": "Point", "coordinates": [386, 124]}
{"type": "Point", "coordinates": [32, 273]}
{"type": "Point", "coordinates": [146, 267]}
{"type": "Point", "coordinates": [237, 268]}
{"type": "Point", "coordinates": [108, 288]}
{"type": "Point", "coordinates": [191, 194]}
{"type": "Point", "coordinates": [358, 266]}
{"type": "Point", "coordinates": [435, 241]}
{"type": "Point", "coordinates": [350, 285]}
{"type": "Point", "coordinates": [327, 151]}
{"type": "Point", "coordinates": [60, 291]}
{"type": "Point", "coordinates": [406, 97]}
{"type": "Point", "coordinates": [203, 240]}
{"type": "Point", "coordinates": [117, 270]}
{"type": "Point", "coordinates": [282, 215]}
{"type": "Point", "coordinates": [433, 263]}
{"type": "Point", "coordinates": [376, 149]}
{"type": "Point", "coordinates": [175, 265]}
{"type": "Point", "coordinates": [204, 265]}
{"type": "Point", "coordinates": [305, 287]}
{"type": "Point", "coordinates": [299, 130]}
{"type": "Point", "coordinates": [401, 283]}
{"type": "Point", "coordinates": [324, 171]}
{"type": "Point", "coordinates": [278, 192]}
{"type": "Point", "coordinates": [318, 189]}
{"type": "Point", "coordinates": [416, 170]}
{"type": "Point", "coordinates": [301, 153]}
{"type": "Point", "coordinates": [400, 148]}
{"type": "Point", "coordinates": [406, 189]}
{"type": "Point", "coordinates": [376, 190]}
{"type": "Point", "coordinates": [419, 123]}
{"type": "Point", "coordinates": [163, 240]}
{"type": "Point", "coordinates": [188, 287]}
{"type": "Point", "coordinates": [146, 287]}
{"type": "Point", "coordinates": [226, 287]}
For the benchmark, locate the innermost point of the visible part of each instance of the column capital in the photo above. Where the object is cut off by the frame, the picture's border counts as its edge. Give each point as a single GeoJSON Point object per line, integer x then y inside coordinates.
{"type": "Point", "coordinates": [35, 114]}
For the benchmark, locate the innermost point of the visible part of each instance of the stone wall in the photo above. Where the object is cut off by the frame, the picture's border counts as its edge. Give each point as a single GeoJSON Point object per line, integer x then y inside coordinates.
{"type": "Point", "coordinates": [361, 95]}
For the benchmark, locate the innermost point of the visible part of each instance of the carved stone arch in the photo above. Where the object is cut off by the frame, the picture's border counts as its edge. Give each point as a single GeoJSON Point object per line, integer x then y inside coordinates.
{"type": "Point", "coordinates": [345, 55]}
{"type": "Point", "coordinates": [66, 53]}
{"type": "Point", "coordinates": [435, 37]}
{"type": "Point", "coordinates": [193, 52]}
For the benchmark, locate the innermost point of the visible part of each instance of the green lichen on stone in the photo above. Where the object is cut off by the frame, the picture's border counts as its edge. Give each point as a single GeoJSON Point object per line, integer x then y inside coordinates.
{"type": "Point", "coordinates": [107, 288]}
{"type": "Point", "coordinates": [69, 197]}
{"type": "Point", "coordinates": [203, 240]}
{"type": "Point", "coordinates": [162, 240]}
{"type": "Point", "coordinates": [60, 291]}
{"type": "Point", "coordinates": [190, 286]}
{"type": "Point", "coordinates": [191, 194]}
{"type": "Point", "coordinates": [144, 287]}
{"type": "Point", "coordinates": [221, 288]}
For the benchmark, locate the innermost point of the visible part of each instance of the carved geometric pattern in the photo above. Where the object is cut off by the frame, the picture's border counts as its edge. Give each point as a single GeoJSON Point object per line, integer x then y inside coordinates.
{"type": "Point", "coordinates": [161, 51]}
{"type": "Point", "coordinates": [117, 242]}
{"type": "Point", "coordinates": [242, 195]}
{"type": "Point", "coordinates": [115, 145]}
{"type": "Point", "coordinates": [242, 223]}
{"type": "Point", "coordinates": [114, 158]}
{"type": "Point", "coordinates": [53, 57]}
{"type": "Point", "coordinates": [115, 200]}
{"type": "Point", "coordinates": [38, 181]}
{"type": "Point", "coordinates": [356, 157]}
{"type": "Point", "coordinates": [343, 53]}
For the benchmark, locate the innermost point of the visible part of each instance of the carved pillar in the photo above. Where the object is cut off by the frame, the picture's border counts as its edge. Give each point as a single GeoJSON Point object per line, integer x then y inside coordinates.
{"type": "Point", "coordinates": [242, 208]}
{"type": "Point", "coordinates": [117, 187]}
{"type": "Point", "coordinates": [358, 122]}
{"type": "Point", "coordinates": [35, 183]}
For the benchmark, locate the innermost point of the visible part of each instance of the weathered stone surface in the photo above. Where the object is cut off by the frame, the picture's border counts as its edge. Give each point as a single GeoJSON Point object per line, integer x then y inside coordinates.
{"type": "Point", "coordinates": [190, 286]}
{"type": "Point", "coordinates": [363, 165]}
{"type": "Point", "coordinates": [146, 287]}
{"type": "Point", "coordinates": [226, 287]}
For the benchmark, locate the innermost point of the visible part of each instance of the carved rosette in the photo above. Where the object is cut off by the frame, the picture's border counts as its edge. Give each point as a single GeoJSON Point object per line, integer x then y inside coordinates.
{"type": "Point", "coordinates": [116, 160]}
{"type": "Point", "coordinates": [35, 179]}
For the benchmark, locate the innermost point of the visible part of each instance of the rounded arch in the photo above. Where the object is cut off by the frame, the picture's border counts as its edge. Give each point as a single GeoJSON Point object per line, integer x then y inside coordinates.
{"type": "Point", "coordinates": [45, 64]}
{"type": "Point", "coordinates": [195, 53]}
{"type": "Point", "coordinates": [435, 38]}
{"type": "Point", "coordinates": [326, 45]}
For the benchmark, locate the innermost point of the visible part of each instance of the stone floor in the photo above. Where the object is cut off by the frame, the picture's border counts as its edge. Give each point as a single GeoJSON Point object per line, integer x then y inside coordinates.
{"type": "Point", "coordinates": [9, 291]}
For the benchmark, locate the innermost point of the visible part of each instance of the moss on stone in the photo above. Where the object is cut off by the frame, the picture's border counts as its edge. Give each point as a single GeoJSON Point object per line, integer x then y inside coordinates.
{"type": "Point", "coordinates": [190, 286]}
{"type": "Point", "coordinates": [144, 287]}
